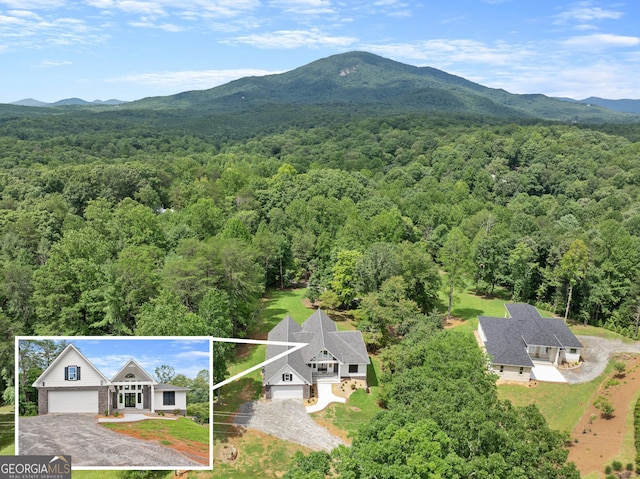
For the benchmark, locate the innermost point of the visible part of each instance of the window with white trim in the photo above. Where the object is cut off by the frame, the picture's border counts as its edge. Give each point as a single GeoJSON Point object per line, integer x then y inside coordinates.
{"type": "Point", "coordinates": [287, 377]}
{"type": "Point", "coordinates": [72, 373]}
{"type": "Point", "coordinates": [353, 368]}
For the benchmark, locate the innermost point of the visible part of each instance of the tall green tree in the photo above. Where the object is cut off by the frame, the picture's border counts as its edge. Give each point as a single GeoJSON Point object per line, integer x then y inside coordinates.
{"type": "Point", "coordinates": [455, 257]}
{"type": "Point", "coordinates": [573, 267]}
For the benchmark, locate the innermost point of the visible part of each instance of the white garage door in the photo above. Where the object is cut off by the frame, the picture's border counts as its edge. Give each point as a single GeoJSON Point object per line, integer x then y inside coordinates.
{"type": "Point", "coordinates": [286, 392]}
{"type": "Point", "coordinates": [73, 401]}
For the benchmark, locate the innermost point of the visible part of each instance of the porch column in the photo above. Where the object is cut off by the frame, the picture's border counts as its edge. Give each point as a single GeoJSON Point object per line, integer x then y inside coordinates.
{"type": "Point", "coordinates": [555, 362]}
{"type": "Point", "coordinates": [153, 409]}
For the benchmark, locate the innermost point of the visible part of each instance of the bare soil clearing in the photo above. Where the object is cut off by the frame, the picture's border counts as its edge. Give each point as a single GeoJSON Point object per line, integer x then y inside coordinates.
{"type": "Point", "coordinates": [600, 440]}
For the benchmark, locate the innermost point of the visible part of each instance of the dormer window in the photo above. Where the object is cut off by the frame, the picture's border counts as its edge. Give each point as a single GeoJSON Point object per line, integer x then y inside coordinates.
{"type": "Point", "coordinates": [72, 373]}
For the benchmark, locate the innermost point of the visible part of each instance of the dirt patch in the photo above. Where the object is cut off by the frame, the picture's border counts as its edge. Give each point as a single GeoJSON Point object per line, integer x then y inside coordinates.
{"type": "Point", "coordinates": [195, 451]}
{"type": "Point", "coordinates": [600, 440]}
{"type": "Point", "coordinates": [452, 322]}
{"type": "Point", "coordinates": [347, 387]}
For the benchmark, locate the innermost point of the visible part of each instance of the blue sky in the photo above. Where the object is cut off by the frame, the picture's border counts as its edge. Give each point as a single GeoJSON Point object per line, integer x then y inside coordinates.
{"type": "Point", "coordinates": [185, 356]}
{"type": "Point", "coordinates": [130, 49]}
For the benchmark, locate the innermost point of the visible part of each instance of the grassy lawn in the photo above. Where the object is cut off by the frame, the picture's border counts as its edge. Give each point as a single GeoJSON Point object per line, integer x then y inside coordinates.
{"type": "Point", "coordinates": [359, 408]}
{"type": "Point", "coordinates": [561, 404]}
{"type": "Point", "coordinates": [7, 430]}
{"type": "Point", "coordinates": [183, 434]}
{"type": "Point", "coordinates": [183, 428]}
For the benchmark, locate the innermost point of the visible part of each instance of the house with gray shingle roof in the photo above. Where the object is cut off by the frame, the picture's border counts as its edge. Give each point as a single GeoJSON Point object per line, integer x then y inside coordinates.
{"type": "Point", "coordinates": [523, 338]}
{"type": "Point", "coordinates": [329, 356]}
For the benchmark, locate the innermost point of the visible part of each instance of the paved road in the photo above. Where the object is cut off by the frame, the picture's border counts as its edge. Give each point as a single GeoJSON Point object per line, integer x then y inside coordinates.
{"type": "Point", "coordinates": [288, 420]}
{"type": "Point", "coordinates": [90, 444]}
{"type": "Point", "coordinates": [596, 354]}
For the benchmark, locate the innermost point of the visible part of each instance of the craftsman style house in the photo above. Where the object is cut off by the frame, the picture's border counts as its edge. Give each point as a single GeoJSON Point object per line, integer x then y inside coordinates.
{"type": "Point", "coordinates": [522, 339]}
{"type": "Point", "coordinates": [72, 384]}
{"type": "Point", "coordinates": [329, 356]}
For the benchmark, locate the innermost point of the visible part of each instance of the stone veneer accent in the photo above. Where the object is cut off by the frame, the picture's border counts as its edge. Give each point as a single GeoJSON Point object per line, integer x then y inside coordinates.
{"type": "Point", "coordinates": [43, 401]}
{"type": "Point", "coordinates": [103, 399]}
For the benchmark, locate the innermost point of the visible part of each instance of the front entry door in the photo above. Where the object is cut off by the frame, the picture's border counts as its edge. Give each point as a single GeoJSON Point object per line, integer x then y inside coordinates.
{"type": "Point", "coordinates": [130, 400]}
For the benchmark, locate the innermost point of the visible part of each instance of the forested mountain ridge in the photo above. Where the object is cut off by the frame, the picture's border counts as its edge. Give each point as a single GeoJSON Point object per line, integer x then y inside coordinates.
{"type": "Point", "coordinates": [349, 84]}
{"type": "Point", "coordinates": [361, 79]}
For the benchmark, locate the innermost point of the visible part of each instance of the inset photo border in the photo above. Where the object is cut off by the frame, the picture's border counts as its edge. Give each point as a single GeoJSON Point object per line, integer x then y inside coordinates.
{"type": "Point", "coordinates": [116, 403]}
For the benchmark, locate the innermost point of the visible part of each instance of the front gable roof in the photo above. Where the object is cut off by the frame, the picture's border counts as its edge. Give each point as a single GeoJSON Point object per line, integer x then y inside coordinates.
{"type": "Point", "coordinates": [285, 331]}
{"type": "Point", "coordinates": [320, 333]}
{"type": "Point", "coordinates": [132, 371]}
{"type": "Point", "coordinates": [71, 353]}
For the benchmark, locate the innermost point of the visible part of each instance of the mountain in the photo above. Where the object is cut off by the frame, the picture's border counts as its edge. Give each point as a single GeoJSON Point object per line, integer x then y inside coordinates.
{"type": "Point", "coordinates": [29, 102]}
{"type": "Point", "coordinates": [361, 82]}
{"type": "Point", "coordinates": [65, 102]}
{"type": "Point", "coordinates": [629, 106]}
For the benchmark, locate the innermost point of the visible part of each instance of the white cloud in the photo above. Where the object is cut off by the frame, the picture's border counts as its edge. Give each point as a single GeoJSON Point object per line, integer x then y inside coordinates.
{"type": "Point", "coordinates": [288, 39]}
{"type": "Point", "coordinates": [447, 52]}
{"type": "Point", "coordinates": [54, 63]}
{"type": "Point", "coordinates": [582, 13]}
{"type": "Point", "coordinates": [192, 354]}
{"type": "Point", "coordinates": [33, 4]}
{"type": "Point", "coordinates": [188, 79]}
{"type": "Point", "coordinates": [167, 27]}
{"type": "Point", "coordinates": [601, 41]}
{"type": "Point", "coordinates": [304, 7]}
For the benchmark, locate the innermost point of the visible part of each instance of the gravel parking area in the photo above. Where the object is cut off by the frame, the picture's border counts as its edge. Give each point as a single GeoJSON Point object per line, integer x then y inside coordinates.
{"type": "Point", "coordinates": [90, 444]}
{"type": "Point", "coordinates": [287, 420]}
{"type": "Point", "coordinates": [596, 354]}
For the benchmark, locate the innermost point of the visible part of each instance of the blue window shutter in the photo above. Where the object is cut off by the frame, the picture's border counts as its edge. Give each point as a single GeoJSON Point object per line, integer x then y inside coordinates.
{"type": "Point", "coordinates": [66, 373]}
{"type": "Point", "coordinates": [78, 373]}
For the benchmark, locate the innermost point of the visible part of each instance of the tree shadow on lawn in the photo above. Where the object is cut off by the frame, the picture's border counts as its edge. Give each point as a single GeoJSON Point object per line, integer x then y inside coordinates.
{"type": "Point", "coordinates": [466, 313]}
{"type": "Point", "coordinates": [372, 376]}
{"type": "Point", "coordinates": [7, 429]}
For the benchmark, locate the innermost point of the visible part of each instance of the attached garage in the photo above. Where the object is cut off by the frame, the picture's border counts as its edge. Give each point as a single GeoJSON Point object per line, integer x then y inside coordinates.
{"type": "Point", "coordinates": [73, 400]}
{"type": "Point", "coordinates": [294, 391]}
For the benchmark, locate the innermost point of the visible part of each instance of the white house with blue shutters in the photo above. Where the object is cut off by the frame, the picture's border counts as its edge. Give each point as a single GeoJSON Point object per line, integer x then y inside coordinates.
{"type": "Point", "coordinates": [72, 384]}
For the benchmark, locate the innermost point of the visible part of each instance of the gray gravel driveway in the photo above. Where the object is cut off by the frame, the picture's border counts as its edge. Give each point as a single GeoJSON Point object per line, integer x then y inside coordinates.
{"type": "Point", "coordinates": [90, 444]}
{"type": "Point", "coordinates": [596, 354]}
{"type": "Point", "coordinates": [287, 420]}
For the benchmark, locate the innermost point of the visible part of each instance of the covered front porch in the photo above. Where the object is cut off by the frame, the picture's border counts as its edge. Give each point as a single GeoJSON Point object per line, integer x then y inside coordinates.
{"type": "Point", "coordinates": [325, 371]}
{"type": "Point", "coordinates": [544, 354]}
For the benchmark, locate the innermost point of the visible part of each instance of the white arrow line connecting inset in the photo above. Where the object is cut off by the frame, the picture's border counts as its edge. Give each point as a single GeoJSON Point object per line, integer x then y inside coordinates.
{"type": "Point", "coordinates": [296, 346]}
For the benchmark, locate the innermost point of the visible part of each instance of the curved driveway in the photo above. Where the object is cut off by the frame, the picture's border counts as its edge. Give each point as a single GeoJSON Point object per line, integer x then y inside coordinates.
{"type": "Point", "coordinates": [596, 354]}
{"type": "Point", "coordinates": [90, 444]}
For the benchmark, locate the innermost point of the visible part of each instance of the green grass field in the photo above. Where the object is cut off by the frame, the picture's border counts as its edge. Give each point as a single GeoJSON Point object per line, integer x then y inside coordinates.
{"type": "Point", "coordinates": [7, 430]}
{"type": "Point", "coordinates": [182, 428]}
{"type": "Point", "coordinates": [359, 408]}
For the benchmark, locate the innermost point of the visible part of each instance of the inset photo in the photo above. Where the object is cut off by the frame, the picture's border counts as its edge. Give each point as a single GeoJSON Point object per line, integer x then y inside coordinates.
{"type": "Point", "coordinates": [115, 402]}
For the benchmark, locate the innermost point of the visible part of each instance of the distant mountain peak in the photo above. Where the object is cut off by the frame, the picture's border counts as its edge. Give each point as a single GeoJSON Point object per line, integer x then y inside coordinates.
{"type": "Point", "coordinates": [65, 102]}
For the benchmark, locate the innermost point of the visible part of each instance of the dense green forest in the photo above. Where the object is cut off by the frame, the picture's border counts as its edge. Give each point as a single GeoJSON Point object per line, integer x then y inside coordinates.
{"type": "Point", "coordinates": [128, 225]}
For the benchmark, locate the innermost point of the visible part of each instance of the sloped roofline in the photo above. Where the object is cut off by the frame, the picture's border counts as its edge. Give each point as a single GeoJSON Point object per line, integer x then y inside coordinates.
{"type": "Point", "coordinates": [138, 365]}
{"type": "Point", "coordinates": [64, 352]}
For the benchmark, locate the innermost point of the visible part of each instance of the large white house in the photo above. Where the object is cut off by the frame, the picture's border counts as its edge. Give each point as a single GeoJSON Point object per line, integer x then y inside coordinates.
{"type": "Point", "coordinates": [330, 355]}
{"type": "Point", "coordinates": [522, 339]}
{"type": "Point", "coordinates": [72, 384]}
